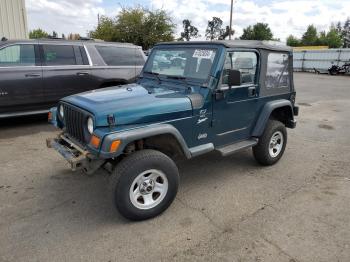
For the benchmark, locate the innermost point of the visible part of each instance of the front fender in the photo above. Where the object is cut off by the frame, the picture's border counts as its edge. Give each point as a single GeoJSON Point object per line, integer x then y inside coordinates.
{"type": "Point", "coordinates": [140, 133]}
{"type": "Point", "coordinates": [266, 113]}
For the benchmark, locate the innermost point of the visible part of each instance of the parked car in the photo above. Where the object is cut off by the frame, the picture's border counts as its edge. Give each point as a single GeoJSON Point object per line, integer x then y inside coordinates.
{"type": "Point", "coordinates": [36, 74]}
{"type": "Point", "coordinates": [230, 95]}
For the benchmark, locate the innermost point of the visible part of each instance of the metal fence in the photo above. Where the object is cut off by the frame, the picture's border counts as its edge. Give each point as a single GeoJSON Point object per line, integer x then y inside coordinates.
{"type": "Point", "coordinates": [321, 60]}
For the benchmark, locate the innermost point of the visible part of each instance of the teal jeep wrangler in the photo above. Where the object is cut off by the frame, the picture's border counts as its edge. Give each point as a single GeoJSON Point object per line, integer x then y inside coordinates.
{"type": "Point", "coordinates": [190, 99]}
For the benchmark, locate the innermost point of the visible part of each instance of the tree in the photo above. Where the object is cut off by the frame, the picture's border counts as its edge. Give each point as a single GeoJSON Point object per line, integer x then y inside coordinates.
{"type": "Point", "coordinates": [248, 33]}
{"type": "Point", "coordinates": [293, 41]}
{"type": "Point", "coordinates": [54, 34]}
{"type": "Point", "coordinates": [214, 30]}
{"type": "Point", "coordinates": [189, 31]}
{"type": "Point", "coordinates": [334, 38]}
{"type": "Point", "coordinates": [225, 33]}
{"type": "Point", "coordinates": [310, 36]}
{"type": "Point", "coordinates": [38, 33]}
{"type": "Point", "coordinates": [143, 27]}
{"type": "Point", "coordinates": [106, 30]}
{"type": "Point", "coordinates": [138, 25]}
{"type": "Point", "coordinates": [346, 33]}
{"type": "Point", "coordinates": [158, 27]}
{"type": "Point", "coordinates": [322, 39]}
{"type": "Point", "coordinates": [259, 31]}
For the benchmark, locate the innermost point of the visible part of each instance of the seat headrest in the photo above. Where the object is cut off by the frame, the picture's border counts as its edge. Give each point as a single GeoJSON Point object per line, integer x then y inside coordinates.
{"type": "Point", "coordinates": [244, 63]}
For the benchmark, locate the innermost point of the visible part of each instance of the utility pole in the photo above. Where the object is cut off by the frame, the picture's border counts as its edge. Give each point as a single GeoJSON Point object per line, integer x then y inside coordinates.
{"type": "Point", "coordinates": [229, 35]}
{"type": "Point", "coordinates": [98, 19]}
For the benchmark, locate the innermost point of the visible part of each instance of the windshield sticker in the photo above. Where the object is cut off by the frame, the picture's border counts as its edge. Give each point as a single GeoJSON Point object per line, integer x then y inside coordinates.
{"type": "Point", "coordinates": [203, 53]}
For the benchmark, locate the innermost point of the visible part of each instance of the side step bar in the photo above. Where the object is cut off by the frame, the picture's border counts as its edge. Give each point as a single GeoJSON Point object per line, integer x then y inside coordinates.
{"type": "Point", "coordinates": [229, 149]}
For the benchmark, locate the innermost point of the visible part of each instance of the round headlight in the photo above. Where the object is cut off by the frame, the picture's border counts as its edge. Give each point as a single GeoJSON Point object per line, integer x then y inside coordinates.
{"type": "Point", "coordinates": [90, 125]}
{"type": "Point", "coordinates": [60, 109]}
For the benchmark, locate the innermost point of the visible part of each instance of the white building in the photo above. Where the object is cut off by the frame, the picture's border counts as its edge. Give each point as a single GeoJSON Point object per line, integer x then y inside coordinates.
{"type": "Point", "coordinates": [13, 19]}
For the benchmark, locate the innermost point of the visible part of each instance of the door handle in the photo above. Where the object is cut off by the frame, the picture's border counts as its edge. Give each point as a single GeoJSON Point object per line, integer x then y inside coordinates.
{"type": "Point", "coordinates": [82, 73]}
{"type": "Point", "coordinates": [252, 91]}
{"type": "Point", "coordinates": [32, 75]}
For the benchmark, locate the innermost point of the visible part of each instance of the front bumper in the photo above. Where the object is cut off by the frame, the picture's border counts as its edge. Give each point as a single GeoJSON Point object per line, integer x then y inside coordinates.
{"type": "Point", "coordinates": [74, 154]}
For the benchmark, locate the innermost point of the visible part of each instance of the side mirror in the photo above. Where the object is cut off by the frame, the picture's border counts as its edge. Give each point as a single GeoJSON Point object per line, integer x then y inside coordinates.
{"type": "Point", "coordinates": [234, 78]}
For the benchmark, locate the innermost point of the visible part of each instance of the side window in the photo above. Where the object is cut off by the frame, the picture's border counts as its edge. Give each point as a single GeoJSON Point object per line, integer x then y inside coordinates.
{"type": "Point", "coordinates": [245, 62]}
{"type": "Point", "coordinates": [55, 55]}
{"type": "Point", "coordinates": [17, 55]}
{"type": "Point", "coordinates": [277, 74]}
{"type": "Point", "coordinates": [120, 56]}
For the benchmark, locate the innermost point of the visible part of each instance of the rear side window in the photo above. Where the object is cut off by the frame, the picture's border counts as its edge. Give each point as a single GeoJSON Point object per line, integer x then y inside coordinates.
{"type": "Point", "coordinates": [277, 74]}
{"type": "Point", "coordinates": [120, 56]}
{"type": "Point", "coordinates": [17, 55]}
{"type": "Point", "coordinates": [55, 55]}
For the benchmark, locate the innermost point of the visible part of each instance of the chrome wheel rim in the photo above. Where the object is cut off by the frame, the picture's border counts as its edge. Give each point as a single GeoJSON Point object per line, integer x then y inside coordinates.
{"type": "Point", "coordinates": [276, 144]}
{"type": "Point", "coordinates": [148, 189]}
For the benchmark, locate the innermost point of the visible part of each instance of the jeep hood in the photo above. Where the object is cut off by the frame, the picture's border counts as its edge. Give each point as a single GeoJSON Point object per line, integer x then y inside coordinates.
{"type": "Point", "coordinates": [133, 104]}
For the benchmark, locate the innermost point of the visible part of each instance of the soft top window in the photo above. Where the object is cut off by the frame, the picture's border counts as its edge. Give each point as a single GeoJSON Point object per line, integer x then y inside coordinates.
{"type": "Point", "coordinates": [277, 74]}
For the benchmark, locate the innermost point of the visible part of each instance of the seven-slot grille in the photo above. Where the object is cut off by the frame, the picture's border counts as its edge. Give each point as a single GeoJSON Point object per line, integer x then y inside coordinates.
{"type": "Point", "coordinates": [74, 123]}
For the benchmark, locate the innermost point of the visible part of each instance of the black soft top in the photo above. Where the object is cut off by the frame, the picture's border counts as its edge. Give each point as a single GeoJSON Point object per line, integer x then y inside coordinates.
{"type": "Point", "coordinates": [63, 41]}
{"type": "Point", "coordinates": [253, 44]}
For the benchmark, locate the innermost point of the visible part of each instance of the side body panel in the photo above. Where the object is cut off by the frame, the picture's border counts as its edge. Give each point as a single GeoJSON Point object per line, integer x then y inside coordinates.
{"type": "Point", "coordinates": [65, 80]}
{"type": "Point", "coordinates": [104, 74]}
{"type": "Point", "coordinates": [21, 87]}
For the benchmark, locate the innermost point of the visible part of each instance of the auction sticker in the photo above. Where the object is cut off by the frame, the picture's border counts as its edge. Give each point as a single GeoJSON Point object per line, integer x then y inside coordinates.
{"type": "Point", "coordinates": [202, 53]}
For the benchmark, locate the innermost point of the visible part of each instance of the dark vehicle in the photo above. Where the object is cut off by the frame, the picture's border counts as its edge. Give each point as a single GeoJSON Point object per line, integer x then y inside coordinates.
{"type": "Point", "coordinates": [344, 69]}
{"type": "Point", "coordinates": [227, 96]}
{"type": "Point", "coordinates": [36, 74]}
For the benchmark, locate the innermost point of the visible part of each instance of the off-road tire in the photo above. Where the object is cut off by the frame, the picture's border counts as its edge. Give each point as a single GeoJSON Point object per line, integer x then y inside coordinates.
{"type": "Point", "coordinates": [127, 171]}
{"type": "Point", "coordinates": [261, 150]}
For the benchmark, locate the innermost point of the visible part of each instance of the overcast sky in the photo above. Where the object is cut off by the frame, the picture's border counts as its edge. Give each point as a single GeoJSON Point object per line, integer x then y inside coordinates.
{"type": "Point", "coordinates": [284, 17]}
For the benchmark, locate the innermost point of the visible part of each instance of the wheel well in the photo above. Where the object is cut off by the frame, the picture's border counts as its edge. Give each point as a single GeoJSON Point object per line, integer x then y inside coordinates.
{"type": "Point", "coordinates": [283, 114]}
{"type": "Point", "coordinates": [165, 143]}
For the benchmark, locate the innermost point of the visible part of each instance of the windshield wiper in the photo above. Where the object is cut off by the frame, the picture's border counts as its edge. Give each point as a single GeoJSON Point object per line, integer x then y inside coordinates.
{"type": "Point", "coordinates": [180, 78]}
{"type": "Point", "coordinates": [154, 74]}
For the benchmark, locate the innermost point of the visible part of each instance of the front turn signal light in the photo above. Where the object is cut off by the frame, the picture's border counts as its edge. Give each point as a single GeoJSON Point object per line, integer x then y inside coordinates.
{"type": "Point", "coordinates": [49, 116]}
{"type": "Point", "coordinates": [95, 141]}
{"type": "Point", "coordinates": [114, 146]}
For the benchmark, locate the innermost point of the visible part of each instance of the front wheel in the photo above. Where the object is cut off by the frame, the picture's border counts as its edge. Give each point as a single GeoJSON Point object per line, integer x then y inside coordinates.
{"type": "Point", "coordinates": [144, 184]}
{"type": "Point", "coordinates": [271, 144]}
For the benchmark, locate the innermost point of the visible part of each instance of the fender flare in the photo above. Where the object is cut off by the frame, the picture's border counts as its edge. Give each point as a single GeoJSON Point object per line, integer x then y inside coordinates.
{"type": "Point", "coordinates": [266, 112]}
{"type": "Point", "coordinates": [129, 136]}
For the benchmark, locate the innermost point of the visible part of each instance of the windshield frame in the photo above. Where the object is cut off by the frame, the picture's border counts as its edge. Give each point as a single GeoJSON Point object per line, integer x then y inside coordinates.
{"type": "Point", "coordinates": [182, 47]}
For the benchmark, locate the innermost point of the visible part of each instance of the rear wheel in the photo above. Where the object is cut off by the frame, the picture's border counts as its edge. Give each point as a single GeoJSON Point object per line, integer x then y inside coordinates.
{"type": "Point", "coordinates": [271, 144]}
{"type": "Point", "coordinates": [144, 184]}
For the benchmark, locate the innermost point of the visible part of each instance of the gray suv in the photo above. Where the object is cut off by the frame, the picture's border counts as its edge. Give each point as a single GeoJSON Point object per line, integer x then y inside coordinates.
{"type": "Point", "coordinates": [35, 74]}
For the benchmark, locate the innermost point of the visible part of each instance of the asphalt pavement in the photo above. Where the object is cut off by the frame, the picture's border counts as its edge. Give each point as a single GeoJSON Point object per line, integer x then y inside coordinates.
{"type": "Point", "coordinates": [227, 209]}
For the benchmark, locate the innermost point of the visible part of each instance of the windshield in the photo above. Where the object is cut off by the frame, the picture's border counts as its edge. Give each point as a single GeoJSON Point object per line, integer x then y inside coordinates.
{"type": "Point", "coordinates": [181, 62]}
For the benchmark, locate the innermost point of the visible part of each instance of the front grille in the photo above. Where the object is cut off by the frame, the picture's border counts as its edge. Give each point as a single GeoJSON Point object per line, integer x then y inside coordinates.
{"type": "Point", "coordinates": [74, 123]}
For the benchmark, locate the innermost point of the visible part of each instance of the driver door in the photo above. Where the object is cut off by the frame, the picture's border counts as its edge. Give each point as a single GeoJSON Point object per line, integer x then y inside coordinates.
{"type": "Point", "coordinates": [235, 110]}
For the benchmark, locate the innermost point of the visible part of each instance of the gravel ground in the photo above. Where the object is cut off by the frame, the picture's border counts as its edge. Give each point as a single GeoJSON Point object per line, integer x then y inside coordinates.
{"type": "Point", "coordinates": [227, 209]}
